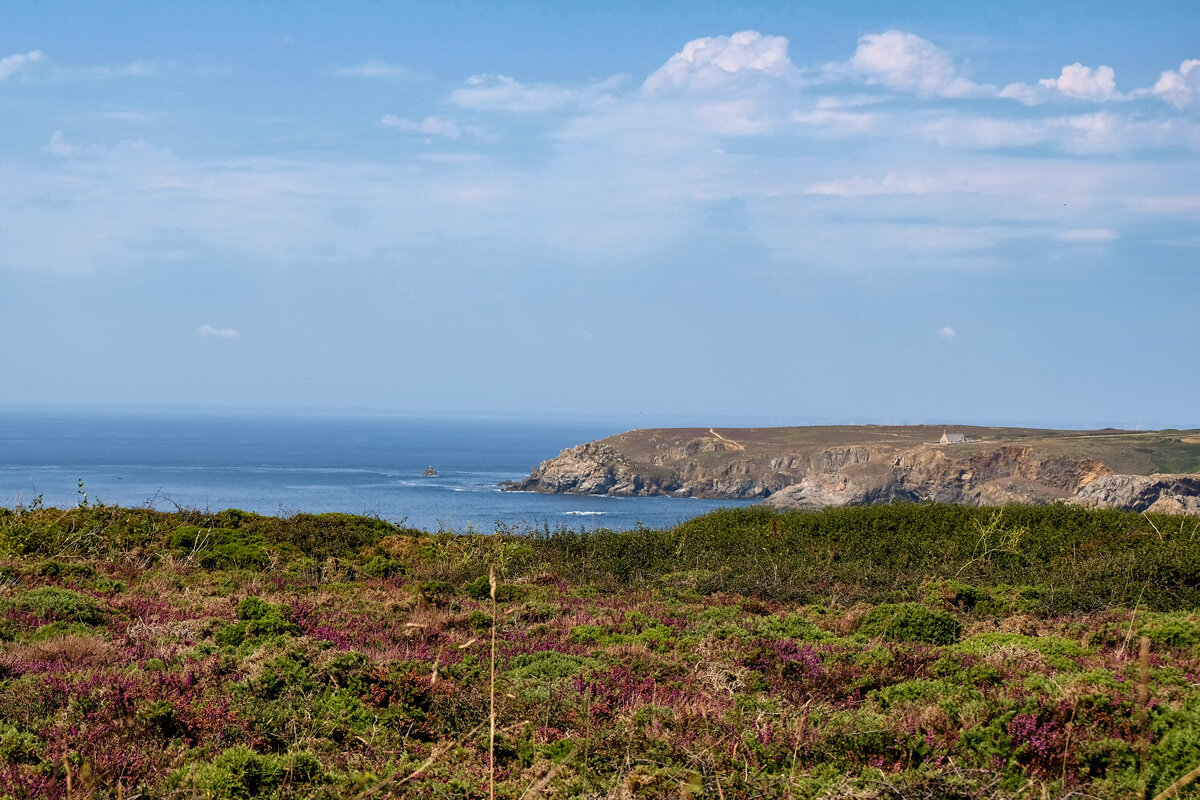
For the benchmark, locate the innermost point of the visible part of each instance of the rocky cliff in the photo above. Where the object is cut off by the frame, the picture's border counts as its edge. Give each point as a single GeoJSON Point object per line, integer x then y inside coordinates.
{"type": "Point", "coordinates": [858, 465]}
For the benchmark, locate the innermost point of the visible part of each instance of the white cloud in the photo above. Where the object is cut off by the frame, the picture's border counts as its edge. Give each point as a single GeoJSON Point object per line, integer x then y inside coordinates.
{"type": "Point", "coordinates": [1084, 83]}
{"type": "Point", "coordinates": [1024, 93]}
{"type": "Point", "coordinates": [374, 69]}
{"type": "Point", "coordinates": [1087, 235]}
{"type": "Point", "coordinates": [11, 65]}
{"type": "Point", "coordinates": [502, 93]}
{"type": "Point", "coordinates": [1181, 88]}
{"type": "Point", "coordinates": [716, 61]}
{"type": "Point", "coordinates": [108, 72]}
{"type": "Point", "coordinates": [209, 332]}
{"type": "Point", "coordinates": [430, 126]}
{"type": "Point", "coordinates": [905, 61]}
{"type": "Point", "coordinates": [983, 133]}
{"type": "Point", "coordinates": [947, 333]}
{"type": "Point", "coordinates": [59, 147]}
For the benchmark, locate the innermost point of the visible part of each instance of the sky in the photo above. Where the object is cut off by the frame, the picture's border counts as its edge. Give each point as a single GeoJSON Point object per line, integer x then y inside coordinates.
{"type": "Point", "coordinates": [871, 212]}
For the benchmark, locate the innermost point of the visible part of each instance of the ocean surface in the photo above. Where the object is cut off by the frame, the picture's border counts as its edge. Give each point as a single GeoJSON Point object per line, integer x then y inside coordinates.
{"type": "Point", "coordinates": [290, 464]}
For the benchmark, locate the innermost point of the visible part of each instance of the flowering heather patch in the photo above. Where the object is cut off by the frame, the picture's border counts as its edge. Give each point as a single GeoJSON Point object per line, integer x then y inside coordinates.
{"type": "Point", "coordinates": [127, 671]}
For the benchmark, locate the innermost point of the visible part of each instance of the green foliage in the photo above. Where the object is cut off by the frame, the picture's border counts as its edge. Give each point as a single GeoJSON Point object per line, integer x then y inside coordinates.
{"type": "Point", "coordinates": [18, 746]}
{"type": "Point", "coordinates": [54, 604]}
{"type": "Point", "coordinates": [1060, 653]}
{"type": "Point", "coordinates": [241, 774]}
{"type": "Point", "coordinates": [323, 536]}
{"type": "Point", "coordinates": [548, 666]}
{"type": "Point", "coordinates": [1044, 559]}
{"type": "Point", "coordinates": [221, 548]}
{"type": "Point", "coordinates": [1176, 754]}
{"type": "Point", "coordinates": [910, 622]}
{"type": "Point", "coordinates": [792, 626]}
{"type": "Point", "coordinates": [1171, 631]}
{"type": "Point", "coordinates": [258, 621]}
{"type": "Point", "coordinates": [480, 589]}
{"type": "Point", "coordinates": [383, 566]}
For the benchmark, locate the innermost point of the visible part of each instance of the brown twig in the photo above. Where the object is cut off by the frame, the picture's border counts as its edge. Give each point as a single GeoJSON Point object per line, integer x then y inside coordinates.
{"type": "Point", "coordinates": [1174, 788]}
{"type": "Point", "coordinates": [433, 756]}
{"type": "Point", "coordinates": [492, 693]}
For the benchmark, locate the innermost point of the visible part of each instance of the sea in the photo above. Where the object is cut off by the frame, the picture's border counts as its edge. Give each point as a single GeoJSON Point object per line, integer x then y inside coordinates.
{"type": "Point", "coordinates": [312, 463]}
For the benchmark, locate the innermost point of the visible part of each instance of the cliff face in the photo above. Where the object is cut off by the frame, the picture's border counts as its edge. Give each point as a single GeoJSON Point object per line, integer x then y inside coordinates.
{"type": "Point", "coordinates": [1165, 494]}
{"type": "Point", "coordinates": [819, 467]}
{"type": "Point", "coordinates": [1008, 474]}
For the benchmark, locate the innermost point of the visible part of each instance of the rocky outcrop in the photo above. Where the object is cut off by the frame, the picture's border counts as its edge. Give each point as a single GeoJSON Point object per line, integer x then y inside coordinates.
{"type": "Point", "coordinates": [429, 472]}
{"type": "Point", "coordinates": [1164, 494]}
{"type": "Point", "coordinates": [805, 468]}
{"type": "Point", "coordinates": [1007, 474]}
{"type": "Point", "coordinates": [595, 468]}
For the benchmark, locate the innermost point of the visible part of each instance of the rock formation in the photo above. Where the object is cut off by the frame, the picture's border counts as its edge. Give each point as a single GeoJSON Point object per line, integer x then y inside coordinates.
{"type": "Point", "coordinates": [429, 472]}
{"type": "Point", "coordinates": [818, 467]}
{"type": "Point", "coordinates": [1165, 494]}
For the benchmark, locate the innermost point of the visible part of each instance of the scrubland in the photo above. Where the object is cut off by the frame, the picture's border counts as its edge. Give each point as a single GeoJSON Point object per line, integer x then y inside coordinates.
{"type": "Point", "coordinates": [906, 651]}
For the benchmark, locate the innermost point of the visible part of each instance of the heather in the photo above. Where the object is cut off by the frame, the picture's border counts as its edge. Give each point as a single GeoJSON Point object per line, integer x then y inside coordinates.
{"type": "Point", "coordinates": [915, 651]}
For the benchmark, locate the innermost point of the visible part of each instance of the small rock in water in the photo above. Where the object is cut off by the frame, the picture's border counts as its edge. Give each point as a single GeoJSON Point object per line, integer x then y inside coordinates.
{"type": "Point", "coordinates": [429, 472]}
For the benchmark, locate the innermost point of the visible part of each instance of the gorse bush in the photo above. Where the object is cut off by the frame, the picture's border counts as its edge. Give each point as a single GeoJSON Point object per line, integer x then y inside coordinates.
{"type": "Point", "coordinates": [53, 604]}
{"type": "Point", "coordinates": [910, 622]}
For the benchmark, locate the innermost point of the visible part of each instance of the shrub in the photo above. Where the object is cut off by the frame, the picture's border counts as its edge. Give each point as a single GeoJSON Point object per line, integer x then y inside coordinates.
{"type": "Point", "coordinates": [221, 548]}
{"type": "Point", "coordinates": [910, 622]}
{"type": "Point", "coordinates": [259, 620]}
{"type": "Point", "coordinates": [383, 566]}
{"type": "Point", "coordinates": [481, 589]}
{"type": "Point", "coordinates": [53, 603]}
{"type": "Point", "coordinates": [241, 774]}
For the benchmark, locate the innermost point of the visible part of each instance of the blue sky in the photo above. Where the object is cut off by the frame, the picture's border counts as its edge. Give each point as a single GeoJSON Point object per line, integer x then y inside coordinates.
{"type": "Point", "coordinates": [869, 212]}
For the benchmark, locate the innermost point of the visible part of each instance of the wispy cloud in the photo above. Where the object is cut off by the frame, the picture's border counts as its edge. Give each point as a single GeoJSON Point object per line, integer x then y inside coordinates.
{"type": "Point", "coordinates": [1087, 235]}
{"type": "Point", "coordinates": [11, 65]}
{"type": "Point", "coordinates": [107, 72]}
{"type": "Point", "coordinates": [430, 126]}
{"type": "Point", "coordinates": [58, 146]}
{"type": "Point", "coordinates": [947, 333]}
{"type": "Point", "coordinates": [503, 93]}
{"type": "Point", "coordinates": [209, 332]}
{"type": "Point", "coordinates": [375, 69]}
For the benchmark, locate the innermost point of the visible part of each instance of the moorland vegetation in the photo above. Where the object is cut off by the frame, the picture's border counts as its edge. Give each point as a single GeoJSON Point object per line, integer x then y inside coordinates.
{"type": "Point", "coordinates": [915, 651]}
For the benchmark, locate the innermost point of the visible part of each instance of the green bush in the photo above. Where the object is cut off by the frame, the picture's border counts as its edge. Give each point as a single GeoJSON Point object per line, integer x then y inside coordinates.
{"type": "Point", "coordinates": [18, 746]}
{"type": "Point", "coordinates": [54, 603]}
{"type": "Point", "coordinates": [221, 548]}
{"type": "Point", "coordinates": [910, 622]}
{"type": "Point", "coordinates": [383, 566]}
{"type": "Point", "coordinates": [258, 620]}
{"type": "Point", "coordinates": [481, 589]}
{"type": "Point", "coordinates": [241, 774]}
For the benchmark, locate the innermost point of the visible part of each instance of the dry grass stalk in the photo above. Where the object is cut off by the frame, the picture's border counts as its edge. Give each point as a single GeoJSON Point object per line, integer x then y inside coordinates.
{"type": "Point", "coordinates": [540, 785]}
{"type": "Point", "coordinates": [1174, 789]}
{"type": "Point", "coordinates": [1143, 698]}
{"type": "Point", "coordinates": [492, 693]}
{"type": "Point", "coordinates": [433, 756]}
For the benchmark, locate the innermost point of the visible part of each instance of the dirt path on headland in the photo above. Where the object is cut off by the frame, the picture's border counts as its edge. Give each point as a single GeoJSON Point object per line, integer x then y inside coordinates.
{"type": "Point", "coordinates": [733, 445]}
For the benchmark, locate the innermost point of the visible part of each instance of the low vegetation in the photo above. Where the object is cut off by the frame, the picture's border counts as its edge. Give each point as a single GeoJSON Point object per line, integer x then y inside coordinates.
{"type": "Point", "coordinates": [915, 651]}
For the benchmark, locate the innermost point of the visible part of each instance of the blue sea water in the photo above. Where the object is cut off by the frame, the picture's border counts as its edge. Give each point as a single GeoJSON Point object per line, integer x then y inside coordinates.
{"type": "Point", "coordinates": [291, 464]}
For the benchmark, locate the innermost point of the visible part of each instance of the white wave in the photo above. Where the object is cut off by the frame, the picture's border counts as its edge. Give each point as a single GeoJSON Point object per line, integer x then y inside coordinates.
{"type": "Point", "coordinates": [584, 513]}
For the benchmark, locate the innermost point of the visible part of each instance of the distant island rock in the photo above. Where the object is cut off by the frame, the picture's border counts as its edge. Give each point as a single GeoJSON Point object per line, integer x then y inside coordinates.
{"type": "Point", "coordinates": [820, 466]}
{"type": "Point", "coordinates": [429, 472]}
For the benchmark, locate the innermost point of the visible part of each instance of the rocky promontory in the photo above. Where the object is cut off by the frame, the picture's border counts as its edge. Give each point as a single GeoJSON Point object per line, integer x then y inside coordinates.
{"type": "Point", "coordinates": [816, 467]}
